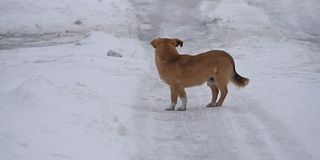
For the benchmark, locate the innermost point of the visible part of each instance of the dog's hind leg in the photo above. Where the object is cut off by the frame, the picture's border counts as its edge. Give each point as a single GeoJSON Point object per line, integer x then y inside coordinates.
{"type": "Point", "coordinates": [182, 95]}
{"type": "Point", "coordinates": [221, 81]}
{"type": "Point", "coordinates": [223, 87]}
{"type": "Point", "coordinates": [214, 91]}
{"type": "Point", "coordinates": [174, 98]}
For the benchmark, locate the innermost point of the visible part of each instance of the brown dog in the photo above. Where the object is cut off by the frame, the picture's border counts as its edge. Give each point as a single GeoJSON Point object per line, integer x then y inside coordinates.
{"type": "Point", "coordinates": [215, 67]}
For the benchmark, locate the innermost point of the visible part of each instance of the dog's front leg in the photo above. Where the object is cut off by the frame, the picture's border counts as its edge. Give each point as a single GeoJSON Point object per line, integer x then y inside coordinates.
{"type": "Point", "coordinates": [183, 97]}
{"type": "Point", "coordinates": [174, 98]}
{"type": "Point", "coordinates": [184, 104]}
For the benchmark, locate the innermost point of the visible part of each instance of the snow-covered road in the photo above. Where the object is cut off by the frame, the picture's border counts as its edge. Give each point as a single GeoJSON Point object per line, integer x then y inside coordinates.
{"type": "Point", "coordinates": [67, 99]}
{"type": "Point", "coordinates": [267, 120]}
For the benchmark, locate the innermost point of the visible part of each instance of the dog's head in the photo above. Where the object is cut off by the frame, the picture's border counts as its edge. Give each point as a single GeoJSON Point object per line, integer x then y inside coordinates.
{"type": "Point", "coordinates": [174, 41]}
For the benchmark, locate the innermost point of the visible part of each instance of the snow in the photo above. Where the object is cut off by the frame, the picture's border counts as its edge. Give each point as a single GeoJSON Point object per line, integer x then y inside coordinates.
{"type": "Point", "coordinates": [38, 17]}
{"type": "Point", "coordinates": [38, 23]}
{"type": "Point", "coordinates": [66, 93]}
{"type": "Point", "coordinates": [65, 100]}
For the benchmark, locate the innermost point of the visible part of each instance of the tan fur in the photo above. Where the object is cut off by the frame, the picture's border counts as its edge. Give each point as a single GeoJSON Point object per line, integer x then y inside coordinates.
{"type": "Point", "coordinates": [215, 67]}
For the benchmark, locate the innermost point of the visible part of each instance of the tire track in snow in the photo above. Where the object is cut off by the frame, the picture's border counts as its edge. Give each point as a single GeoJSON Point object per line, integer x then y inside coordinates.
{"type": "Point", "coordinates": [219, 122]}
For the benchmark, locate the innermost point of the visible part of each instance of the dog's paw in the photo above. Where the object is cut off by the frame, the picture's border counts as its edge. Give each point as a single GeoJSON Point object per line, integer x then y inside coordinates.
{"type": "Point", "coordinates": [212, 105]}
{"type": "Point", "coordinates": [181, 109]}
{"type": "Point", "coordinates": [169, 109]}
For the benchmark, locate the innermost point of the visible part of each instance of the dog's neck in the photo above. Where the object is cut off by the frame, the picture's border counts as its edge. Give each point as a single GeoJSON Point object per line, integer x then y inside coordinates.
{"type": "Point", "coordinates": [166, 53]}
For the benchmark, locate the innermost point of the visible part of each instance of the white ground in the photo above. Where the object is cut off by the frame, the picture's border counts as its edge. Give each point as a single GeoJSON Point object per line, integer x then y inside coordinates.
{"type": "Point", "coordinates": [63, 97]}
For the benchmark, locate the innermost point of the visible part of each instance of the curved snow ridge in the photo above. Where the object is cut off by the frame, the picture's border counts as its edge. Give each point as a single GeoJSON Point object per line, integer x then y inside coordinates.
{"type": "Point", "coordinates": [126, 46]}
{"type": "Point", "coordinates": [237, 16]}
{"type": "Point", "coordinates": [34, 90]}
{"type": "Point", "coordinates": [293, 16]}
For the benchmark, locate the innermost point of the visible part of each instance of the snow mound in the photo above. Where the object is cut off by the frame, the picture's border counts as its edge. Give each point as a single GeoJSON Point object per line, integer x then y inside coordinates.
{"type": "Point", "coordinates": [62, 101]}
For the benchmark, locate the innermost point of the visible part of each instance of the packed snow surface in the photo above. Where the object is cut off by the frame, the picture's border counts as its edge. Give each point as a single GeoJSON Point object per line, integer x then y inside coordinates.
{"type": "Point", "coordinates": [78, 80]}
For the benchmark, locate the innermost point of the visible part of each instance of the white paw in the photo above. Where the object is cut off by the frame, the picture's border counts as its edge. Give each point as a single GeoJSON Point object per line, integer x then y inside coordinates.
{"type": "Point", "coordinates": [212, 105]}
{"type": "Point", "coordinates": [181, 109]}
{"type": "Point", "coordinates": [169, 109]}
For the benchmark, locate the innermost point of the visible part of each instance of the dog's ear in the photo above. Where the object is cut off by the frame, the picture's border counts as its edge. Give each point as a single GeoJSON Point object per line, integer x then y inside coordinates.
{"type": "Point", "coordinates": [178, 42]}
{"type": "Point", "coordinates": [154, 42]}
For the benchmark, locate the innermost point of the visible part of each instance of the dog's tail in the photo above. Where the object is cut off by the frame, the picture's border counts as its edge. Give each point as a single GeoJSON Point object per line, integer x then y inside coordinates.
{"type": "Point", "coordinates": [239, 80]}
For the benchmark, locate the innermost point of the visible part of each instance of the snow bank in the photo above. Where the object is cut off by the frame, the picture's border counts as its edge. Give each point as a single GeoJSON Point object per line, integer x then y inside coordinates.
{"type": "Point", "coordinates": [74, 100]}
{"type": "Point", "coordinates": [70, 101]}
